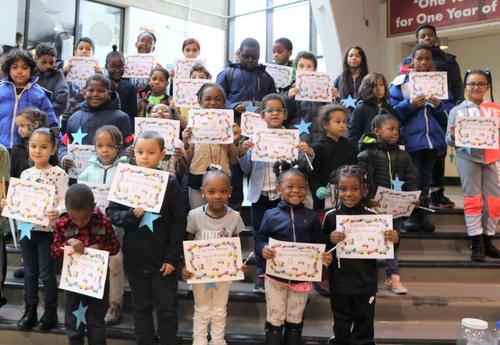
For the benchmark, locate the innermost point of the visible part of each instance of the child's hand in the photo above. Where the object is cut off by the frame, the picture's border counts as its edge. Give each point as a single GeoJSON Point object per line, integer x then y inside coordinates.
{"type": "Point", "coordinates": [337, 236]}
{"type": "Point", "coordinates": [67, 68]}
{"type": "Point", "coordinates": [416, 202]}
{"type": "Point", "coordinates": [418, 101]}
{"type": "Point", "coordinates": [244, 268]}
{"type": "Point", "coordinates": [52, 214]}
{"type": "Point", "coordinates": [138, 212]}
{"type": "Point", "coordinates": [67, 163]}
{"type": "Point", "coordinates": [373, 203]}
{"type": "Point", "coordinates": [240, 108]}
{"type": "Point", "coordinates": [186, 274]}
{"type": "Point", "coordinates": [293, 92]}
{"type": "Point", "coordinates": [436, 101]}
{"type": "Point", "coordinates": [268, 253]}
{"type": "Point", "coordinates": [391, 235]}
{"type": "Point", "coordinates": [305, 148]}
{"type": "Point", "coordinates": [186, 137]}
{"type": "Point", "coordinates": [77, 245]}
{"type": "Point", "coordinates": [178, 154]}
{"type": "Point", "coordinates": [335, 92]}
{"type": "Point", "coordinates": [327, 258]}
{"type": "Point", "coordinates": [237, 133]}
{"type": "Point", "coordinates": [167, 269]}
{"type": "Point", "coordinates": [172, 73]}
{"type": "Point", "coordinates": [3, 203]}
{"type": "Point", "coordinates": [452, 131]}
{"type": "Point", "coordinates": [99, 69]}
{"type": "Point", "coordinates": [244, 147]}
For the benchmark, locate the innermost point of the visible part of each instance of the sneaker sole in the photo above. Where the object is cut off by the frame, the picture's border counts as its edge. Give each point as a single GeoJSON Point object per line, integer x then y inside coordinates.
{"type": "Point", "coordinates": [443, 205]}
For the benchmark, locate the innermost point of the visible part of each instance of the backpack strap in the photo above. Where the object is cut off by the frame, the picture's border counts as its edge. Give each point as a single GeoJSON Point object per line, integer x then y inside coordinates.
{"type": "Point", "coordinates": [229, 78]}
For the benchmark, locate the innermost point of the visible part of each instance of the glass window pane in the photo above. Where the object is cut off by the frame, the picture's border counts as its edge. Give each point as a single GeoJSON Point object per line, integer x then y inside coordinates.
{"type": "Point", "coordinates": [254, 26]}
{"type": "Point", "coordinates": [103, 24]}
{"type": "Point", "coordinates": [245, 6]}
{"type": "Point", "coordinates": [12, 18]}
{"type": "Point", "coordinates": [298, 33]}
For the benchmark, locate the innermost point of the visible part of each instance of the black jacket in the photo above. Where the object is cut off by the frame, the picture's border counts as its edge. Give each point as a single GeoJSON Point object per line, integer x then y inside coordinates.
{"type": "Point", "coordinates": [146, 251]}
{"type": "Point", "coordinates": [128, 98]}
{"type": "Point", "coordinates": [329, 155]}
{"type": "Point", "coordinates": [350, 276]}
{"type": "Point", "coordinates": [362, 117]}
{"type": "Point", "coordinates": [383, 161]}
{"type": "Point", "coordinates": [54, 81]}
{"type": "Point", "coordinates": [19, 158]}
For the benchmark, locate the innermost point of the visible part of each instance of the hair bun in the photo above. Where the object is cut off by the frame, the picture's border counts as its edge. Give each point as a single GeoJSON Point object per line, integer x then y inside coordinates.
{"type": "Point", "coordinates": [114, 47]}
{"type": "Point", "coordinates": [214, 167]}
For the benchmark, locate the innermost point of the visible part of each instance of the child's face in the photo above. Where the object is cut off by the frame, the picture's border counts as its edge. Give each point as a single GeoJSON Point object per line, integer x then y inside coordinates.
{"type": "Point", "coordinates": [105, 149]}
{"type": "Point", "coordinates": [336, 125]}
{"type": "Point", "coordinates": [305, 65]}
{"type": "Point", "coordinates": [116, 68]}
{"type": "Point", "coordinates": [45, 63]}
{"type": "Point", "coordinates": [379, 90]}
{"type": "Point", "coordinates": [84, 49]}
{"type": "Point", "coordinates": [476, 87]}
{"type": "Point", "coordinates": [281, 55]}
{"type": "Point", "coordinates": [350, 191]}
{"type": "Point", "coordinates": [148, 153]}
{"type": "Point", "coordinates": [145, 44]}
{"type": "Point", "coordinates": [293, 189]}
{"type": "Point", "coordinates": [96, 94]}
{"type": "Point", "coordinates": [216, 192]}
{"type": "Point", "coordinates": [24, 126]}
{"type": "Point", "coordinates": [427, 36]}
{"type": "Point", "coordinates": [20, 73]}
{"type": "Point", "coordinates": [191, 51]}
{"type": "Point", "coordinates": [157, 83]}
{"type": "Point", "coordinates": [212, 98]}
{"type": "Point", "coordinates": [80, 217]}
{"type": "Point", "coordinates": [353, 58]}
{"type": "Point", "coordinates": [388, 132]}
{"type": "Point", "coordinates": [274, 114]}
{"type": "Point", "coordinates": [249, 57]}
{"type": "Point", "coordinates": [422, 61]}
{"type": "Point", "coordinates": [161, 111]}
{"type": "Point", "coordinates": [40, 149]}
{"type": "Point", "coordinates": [198, 75]}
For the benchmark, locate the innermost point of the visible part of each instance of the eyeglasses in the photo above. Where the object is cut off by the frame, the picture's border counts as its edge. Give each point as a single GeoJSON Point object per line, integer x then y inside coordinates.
{"type": "Point", "coordinates": [278, 110]}
{"type": "Point", "coordinates": [479, 85]}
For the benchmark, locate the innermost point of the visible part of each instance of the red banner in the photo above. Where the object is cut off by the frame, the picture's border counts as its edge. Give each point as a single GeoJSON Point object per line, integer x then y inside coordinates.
{"type": "Point", "coordinates": [404, 16]}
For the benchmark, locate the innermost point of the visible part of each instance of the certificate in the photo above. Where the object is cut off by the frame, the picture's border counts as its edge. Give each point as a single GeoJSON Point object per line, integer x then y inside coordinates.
{"type": "Point", "coordinates": [100, 192]}
{"type": "Point", "coordinates": [313, 86]}
{"type": "Point", "coordinates": [296, 261]}
{"type": "Point", "coordinates": [186, 92]}
{"type": "Point", "coordinates": [214, 260]}
{"type": "Point", "coordinates": [211, 126]}
{"type": "Point", "coordinates": [477, 132]}
{"type": "Point", "coordinates": [183, 67]}
{"type": "Point", "coordinates": [282, 75]}
{"type": "Point", "coordinates": [135, 186]}
{"type": "Point", "coordinates": [82, 68]}
{"type": "Point", "coordinates": [139, 66]}
{"type": "Point", "coordinates": [365, 237]}
{"type": "Point", "coordinates": [251, 122]}
{"type": "Point", "coordinates": [397, 204]}
{"type": "Point", "coordinates": [29, 201]}
{"type": "Point", "coordinates": [168, 129]}
{"type": "Point", "coordinates": [80, 154]}
{"type": "Point", "coordinates": [429, 84]}
{"type": "Point", "coordinates": [275, 144]}
{"type": "Point", "coordinates": [84, 273]}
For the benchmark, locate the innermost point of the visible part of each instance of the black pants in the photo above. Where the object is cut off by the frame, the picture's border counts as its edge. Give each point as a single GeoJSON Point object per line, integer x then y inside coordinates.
{"type": "Point", "coordinates": [236, 198]}
{"type": "Point", "coordinates": [96, 329]}
{"type": "Point", "coordinates": [151, 290]}
{"type": "Point", "coordinates": [424, 160]}
{"type": "Point", "coordinates": [356, 312]}
{"type": "Point", "coordinates": [438, 171]}
{"type": "Point", "coordinates": [256, 214]}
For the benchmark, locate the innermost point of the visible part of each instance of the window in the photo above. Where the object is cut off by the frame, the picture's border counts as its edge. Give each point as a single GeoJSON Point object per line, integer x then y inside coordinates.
{"type": "Point", "coordinates": [12, 19]}
{"type": "Point", "coordinates": [254, 26]}
{"type": "Point", "coordinates": [298, 33]}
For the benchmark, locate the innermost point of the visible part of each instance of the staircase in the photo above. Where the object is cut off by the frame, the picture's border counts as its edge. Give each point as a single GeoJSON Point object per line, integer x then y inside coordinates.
{"type": "Point", "coordinates": [444, 286]}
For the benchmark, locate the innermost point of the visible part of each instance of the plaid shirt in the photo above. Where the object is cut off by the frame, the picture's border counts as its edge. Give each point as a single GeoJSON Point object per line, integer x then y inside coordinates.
{"type": "Point", "coordinates": [97, 231]}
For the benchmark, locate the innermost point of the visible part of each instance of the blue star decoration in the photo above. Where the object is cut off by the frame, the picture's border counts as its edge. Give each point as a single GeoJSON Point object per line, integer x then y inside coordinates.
{"type": "Point", "coordinates": [209, 286]}
{"type": "Point", "coordinates": [250, 107]}
{"type": "Point", "coordinates": [78, 136]}
{"type": "Point", "coordinates": [397, 184]}
{"type": "Point", "coordinates": [452, 157]}
{"type": "Point", "coordinates": [148, 219]}
{"type": "Point", "coordinates": [26, 230]}
{"type": "Point", "coordinates": [466, 149]}
{"type": "Point", "coordinates": [349, 102]}
{"type": "Point", "coordinates": [303, 126]}
{"type": "Point", "coordinates": [80, 314]}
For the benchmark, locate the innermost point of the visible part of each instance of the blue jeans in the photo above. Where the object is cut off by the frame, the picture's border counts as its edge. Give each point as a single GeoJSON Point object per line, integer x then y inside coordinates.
{"type": "Point", "coordinates": [392, 265]}
{"type": "Point", "coordinates": [38, 263]}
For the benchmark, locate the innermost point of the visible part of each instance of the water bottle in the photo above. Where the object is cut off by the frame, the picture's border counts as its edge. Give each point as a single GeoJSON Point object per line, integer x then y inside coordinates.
{"type": "Point", "coordinates": [474, 332]}
{"type": "Point", "coordinates": [496, 334]}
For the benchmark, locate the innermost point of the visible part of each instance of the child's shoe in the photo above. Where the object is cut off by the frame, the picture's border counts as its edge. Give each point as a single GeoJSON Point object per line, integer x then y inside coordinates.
{"type": "Point", "coordinates": [395, 285]}
{"type": "Point", "coordinates": [29, 318]}
{"type": "Point", "coordinates": [477, 248]}
{"type": "Point", "coordinates": [259, 285]}
{"type": "Point", "coordinates": [439, 200]}
{"type": "Point", "coordinates": [113, 315]}
{"type": "Point", "coordinates": [48, 319]}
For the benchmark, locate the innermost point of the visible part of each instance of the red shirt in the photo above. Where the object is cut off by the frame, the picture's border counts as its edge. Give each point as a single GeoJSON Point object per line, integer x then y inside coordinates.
{"type": "Point", "coordinates": [97, 231]}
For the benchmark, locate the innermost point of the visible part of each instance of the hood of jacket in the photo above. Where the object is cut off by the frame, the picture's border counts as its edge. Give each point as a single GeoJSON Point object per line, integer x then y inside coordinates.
{"type": "Point", "coordinates": [369, 140]}
{"type": "Point", "coordinates": [113, 103]}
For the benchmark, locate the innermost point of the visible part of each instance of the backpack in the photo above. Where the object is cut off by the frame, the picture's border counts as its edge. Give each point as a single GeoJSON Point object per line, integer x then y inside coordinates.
{"type": "Point", "coordinates": [228, 78]}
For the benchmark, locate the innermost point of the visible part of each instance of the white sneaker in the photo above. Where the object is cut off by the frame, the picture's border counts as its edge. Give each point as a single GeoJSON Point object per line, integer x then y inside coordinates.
{"type": "Point", "coordinates": [395, 285]}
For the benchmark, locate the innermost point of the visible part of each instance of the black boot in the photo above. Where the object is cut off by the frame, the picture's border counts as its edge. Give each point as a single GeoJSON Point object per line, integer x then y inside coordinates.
{"type": "Point", "coordinates": [29, 318]}
{"type": "Point", "coordinates": [273, 334]}
{"type": "Point", "coordinates": [293, 333]}
{"type": "Point", "coordinates": [489, 248]}
{"type": "Point", "coordinates": [411, 225]}
{"type": "Point", "coordinates": [477, 248]}
{"type": "Point", "coordinates": [48, 319]}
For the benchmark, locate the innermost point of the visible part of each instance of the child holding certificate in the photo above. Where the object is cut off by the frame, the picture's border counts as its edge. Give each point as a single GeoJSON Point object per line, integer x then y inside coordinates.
{"type": "Point", "coordinates": [353, 282]}
{"type": "Point", "coordinates": [383, 161]}
{"type": "Point", "coordinates": [479, 170]}
{"type": "Point", "coordinates": [152, 249]}
{"type": "Point", "coordinates": [292, 222]}
{"type": "Point", "coordinates": [84, 226]}
{"type": "Point", "coordinates": [212, 221]}
{"type": "Point", "coordinates": [155, 93]}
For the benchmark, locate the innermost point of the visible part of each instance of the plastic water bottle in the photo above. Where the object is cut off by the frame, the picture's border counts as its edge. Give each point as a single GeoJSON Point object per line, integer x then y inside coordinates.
{"type": "Point", "coordinates": [496, 334]}
{"type": "Point", "coordinates": [474, 332]}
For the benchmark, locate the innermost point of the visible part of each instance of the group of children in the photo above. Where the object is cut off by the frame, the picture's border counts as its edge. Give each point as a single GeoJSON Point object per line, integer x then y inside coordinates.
{"type": "Point", "coordinates": [342, 161]}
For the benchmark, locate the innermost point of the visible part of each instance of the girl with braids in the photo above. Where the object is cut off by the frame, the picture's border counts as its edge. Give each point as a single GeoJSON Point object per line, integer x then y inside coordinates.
{"type": "Point", "coordinates": [354, 69]}
{"type": "Point", "coordinates": [289, 221]}
{"type": "Point", "coordinates": [353, 282]}
{"type": "Point", "coordinates": [479, 169]}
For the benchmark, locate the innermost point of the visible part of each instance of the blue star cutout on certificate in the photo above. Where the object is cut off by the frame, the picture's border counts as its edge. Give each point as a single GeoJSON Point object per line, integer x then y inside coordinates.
{"type": "Point", "coordinates": [26, 230]}
{"type": "Point", "coordinates": [80, 314]}
{"type": "Point", "coordinates": [148, 219]}
{"type": "Point", "coordinates": [466, 149]}
{"type": "Point", "coordinates": [209, 286]}
{"type": "Point", "coordinates": [78, 136]}
{"type": "Point", "coordinates": [397, 184]}
{"type": "Point", "coordinates": [250, 107]}
{"type": "Point", "coordinates": [349, 102]}
{"type": "Point", "coordinates": [303, 126]}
